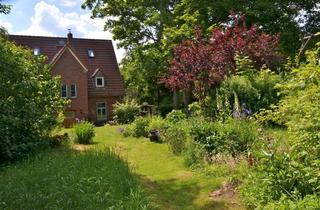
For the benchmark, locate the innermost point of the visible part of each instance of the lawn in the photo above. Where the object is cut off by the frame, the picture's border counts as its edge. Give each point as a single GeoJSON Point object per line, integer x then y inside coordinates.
{"type": "Point", "coordinates": [168, 182]}
{"type": "Point", "coordinates": [65, 179]}
{"type": "Point", "coordinates": [98, 179]}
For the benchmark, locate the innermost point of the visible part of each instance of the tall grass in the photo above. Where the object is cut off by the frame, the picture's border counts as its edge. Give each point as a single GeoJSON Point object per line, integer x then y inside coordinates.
{"type": "Point", "coordinates": [94, 179]}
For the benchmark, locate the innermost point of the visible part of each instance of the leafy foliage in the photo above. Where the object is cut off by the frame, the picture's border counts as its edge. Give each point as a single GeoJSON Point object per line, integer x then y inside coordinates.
{"type": "Point", "coordinates": [176, 135]}
{"type": "Point", "coordinates": [84, 132]}
{"type": "Point", "coordinates": [59, 140]}
{"type": "Point", "coordinates": [5, 9]}
{"type": "Point", "coordinates": [284, 177]}
{"type": "Point", "coordinates": [204, 62]}
{"type": "Point", "coordinates": [175, 116]}
{"type": "Point", "coordinates": [30, 101]}
{"type": "Point", "coordinates": [126, 111]}
{"type": "Point", "coordinates": [138, 128]}
{"type": "Point", "coordinates": [148, 30]}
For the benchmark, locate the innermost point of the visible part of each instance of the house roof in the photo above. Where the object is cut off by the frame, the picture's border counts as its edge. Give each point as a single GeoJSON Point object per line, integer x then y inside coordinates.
{"type": "Point", "coordinates": [95, 72]}
{"type": "Point", "coordinates": [104, 58]}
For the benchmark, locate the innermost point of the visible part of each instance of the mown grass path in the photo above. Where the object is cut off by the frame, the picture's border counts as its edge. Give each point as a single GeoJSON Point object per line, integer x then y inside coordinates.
{"type": "Point", "coordinates": [168, 183]}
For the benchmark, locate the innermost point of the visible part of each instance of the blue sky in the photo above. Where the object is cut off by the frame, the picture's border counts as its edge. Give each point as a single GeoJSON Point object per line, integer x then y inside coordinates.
{"type": "Point", "coordinates": [53, 18]}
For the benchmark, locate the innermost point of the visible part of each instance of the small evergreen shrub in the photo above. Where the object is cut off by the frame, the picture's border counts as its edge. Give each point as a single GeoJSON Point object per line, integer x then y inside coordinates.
{"type": "Point", "coordinates": [84, 132]}
{"type": "Point", "coordinates": [125, 112]}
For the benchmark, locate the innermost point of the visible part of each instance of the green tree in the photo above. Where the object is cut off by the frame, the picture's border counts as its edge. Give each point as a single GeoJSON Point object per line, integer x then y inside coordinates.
{"type": "Point", "coordinates": [29, 101]}
{"type": "Point", "coordinates": [5, 9]}
{"type": "Point", "coordinates": [148, 30]}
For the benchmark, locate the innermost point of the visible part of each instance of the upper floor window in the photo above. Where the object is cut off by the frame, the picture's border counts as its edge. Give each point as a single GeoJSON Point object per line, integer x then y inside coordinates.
{"type": "Point", "coordinates": [36, 51]}
{"type": "Point", "coordinates": [90, 53]}
{"type": "Point", "coordinates": [99, 81]}
{"type": "Point", "coordinates": [73, 91]}
{"type": "Point", "coordinates": [64, 91]}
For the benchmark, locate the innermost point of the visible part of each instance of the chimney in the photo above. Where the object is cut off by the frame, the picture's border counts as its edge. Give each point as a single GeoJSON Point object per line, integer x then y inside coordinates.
{"type": "Point", "coordinates": [69, 36]}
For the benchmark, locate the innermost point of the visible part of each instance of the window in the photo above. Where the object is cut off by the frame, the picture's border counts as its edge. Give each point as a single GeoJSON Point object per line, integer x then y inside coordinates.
{"type": "Point", "coordinates": [99, 81]}
{"type": "Point", "coordinates": [36, 51]}
{"type": "Point", "coordinates": [73, 91]}
{"type": "Point", "coordinates": [64, 91]}
{"type": "Point", "coordinates": [69, 114]}
{"type": "Point", "coordinates": [101, 111]}
{"type": "Point", "coordinates": [90, 53]}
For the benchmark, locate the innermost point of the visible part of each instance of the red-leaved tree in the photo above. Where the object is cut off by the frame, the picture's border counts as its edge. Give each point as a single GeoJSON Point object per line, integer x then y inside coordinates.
{"type": "Point", "coordinates": [202, 63]}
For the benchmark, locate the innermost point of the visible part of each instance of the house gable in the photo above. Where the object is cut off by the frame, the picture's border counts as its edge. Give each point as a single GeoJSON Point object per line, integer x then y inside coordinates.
{"type": "Point", "coordinates": [67, 49]}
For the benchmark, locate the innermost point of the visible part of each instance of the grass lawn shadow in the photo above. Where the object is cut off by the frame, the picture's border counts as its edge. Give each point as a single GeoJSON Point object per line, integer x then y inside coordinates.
{"type": "Point", "coordinates": [175, 194]}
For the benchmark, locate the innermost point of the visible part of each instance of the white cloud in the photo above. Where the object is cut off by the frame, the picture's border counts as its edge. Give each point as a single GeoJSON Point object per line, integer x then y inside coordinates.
{"type": "Point", "coordinates": [8, 26]}
{"type": "Point", "coordinates": [68, 3]}
{"type": "Point", "coordinates": [49, 20]}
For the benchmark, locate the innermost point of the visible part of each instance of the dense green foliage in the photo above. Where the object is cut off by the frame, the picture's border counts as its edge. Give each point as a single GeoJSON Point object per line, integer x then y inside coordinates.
{"type": "Point", "coordinates": [84, 132]}
{"type": "Point", "coordinates": [287, 179]}
{"type": "Point", "coordinates": [177, 135]}
{"type": "Point", "coordinates": [95, 179]}
{"type": "Point", "coordinates": [150, 29]}
{"type": "Point", "coordinates": [29, 101]}
{"type": "Point", "coordinates": [138, 128]}
{"type": "Point", "coordinates": [125, 112]}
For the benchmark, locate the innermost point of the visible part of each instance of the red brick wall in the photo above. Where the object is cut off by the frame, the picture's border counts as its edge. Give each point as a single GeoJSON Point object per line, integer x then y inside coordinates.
{"type": "Point", "coordinates": [73, 73]}
{"type": "Point", "coordinates": [93, 107]}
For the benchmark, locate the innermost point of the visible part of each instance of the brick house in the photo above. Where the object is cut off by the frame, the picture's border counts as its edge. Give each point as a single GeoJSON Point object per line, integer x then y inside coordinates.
{"type": "Point", "coordinates": [89, 72]}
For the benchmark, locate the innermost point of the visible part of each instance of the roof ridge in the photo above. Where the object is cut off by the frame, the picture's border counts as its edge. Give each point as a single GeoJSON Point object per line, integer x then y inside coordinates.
{"type": "Point", "coordinates": [57, 37]}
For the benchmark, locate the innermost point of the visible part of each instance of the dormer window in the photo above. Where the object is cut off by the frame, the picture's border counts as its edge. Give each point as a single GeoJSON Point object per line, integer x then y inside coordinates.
{"type": "Point", "coordinates": [99, 81]}
{"type": "Point", "coordinates": [36, 51]}
{"type": "Point", "coordinates": [90, 53]}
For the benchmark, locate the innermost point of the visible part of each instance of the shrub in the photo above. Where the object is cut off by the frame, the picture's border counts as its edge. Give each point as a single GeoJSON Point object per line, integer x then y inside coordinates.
{"type": "Point", "coordinates": [208, 135]}
{"type": "Point", "coordinates": [157, 123]}
{"type": "Point", "coordinates": [175, 116]}
{"type": "Point", "coordinates": [140, 127]}
{"type": "Point", "coordinates": [239, 136]}
{"type": "Point", "coordinates": [128, 130]}
{"type": "Point", "coordinates": [84, 132]}
{"type": "Point", "coordinates": [126, 111]}
{"type": "Point", "coordinates": [29, 101]}
{"type": "Point", "coordinates": [176, 136]}
{"type": "Point", "coordinates": [59, 140]}
{"type": "Point", "coordinates": [193, 153]}
{"type": "Point", "coordinates": [289, 179]}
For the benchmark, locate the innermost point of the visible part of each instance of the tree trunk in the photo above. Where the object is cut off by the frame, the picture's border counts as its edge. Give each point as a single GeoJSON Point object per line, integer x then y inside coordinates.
{"type": "Point", "coordinates": [175, 99]}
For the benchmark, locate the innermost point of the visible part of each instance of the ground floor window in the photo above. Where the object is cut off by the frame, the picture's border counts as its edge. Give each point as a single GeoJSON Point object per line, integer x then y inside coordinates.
{"type": "Point", "coordinates": [101, 111]}
{"type": "Point", "coordinates": [64, 91]}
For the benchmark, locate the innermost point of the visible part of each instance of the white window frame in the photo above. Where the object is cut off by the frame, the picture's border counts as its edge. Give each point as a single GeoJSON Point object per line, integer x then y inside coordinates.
{"type": "Point", "coordinates": [36, 51]}
{"type": "Point", "coordinates": [96, 80]}
{"type": "Point", "coordinates": [66, 91]}
{"type": "Point", "coordinates": [101, 108]}
{"type": "Point", "coordinates": [75, 90]}
{"type": "Point", "coordinates": [91, 53]}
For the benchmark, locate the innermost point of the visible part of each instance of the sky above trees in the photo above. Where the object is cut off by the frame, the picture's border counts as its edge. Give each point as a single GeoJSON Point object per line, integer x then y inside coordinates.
{"type": "Point", "coordinates": [53, 18]}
